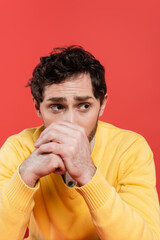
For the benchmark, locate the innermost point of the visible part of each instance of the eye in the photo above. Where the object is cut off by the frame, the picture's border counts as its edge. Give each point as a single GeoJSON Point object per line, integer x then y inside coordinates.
{"type": "Point", "coordinates": [84, 106]}
{"type": "Point", "coordinates": [56, 107]}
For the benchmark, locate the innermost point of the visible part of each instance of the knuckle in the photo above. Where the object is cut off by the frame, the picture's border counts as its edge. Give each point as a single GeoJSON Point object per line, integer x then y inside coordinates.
{"type": "Point", "coordinates": [50, 135]}
{"type": "Point", "coordinates": [79, 134]}
{"type": "Point", "coordinates": [51, 147]}
{"type": "Point", "coordinates": [72, 150]}
{"type": "Point", "coordinates": [50, 157]}
{"type": "Point", "coordinates": [52, 125]}
{"type": "Point", "coordinates": [82, 130]}
{"type": "Point", "coordinates": [41, 148]}
{"type": "Point", "coordinates": [74, 141]}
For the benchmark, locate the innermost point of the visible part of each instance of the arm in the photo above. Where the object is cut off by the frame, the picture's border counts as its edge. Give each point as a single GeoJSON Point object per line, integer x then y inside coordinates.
{"type": "Point", "coordinates": [131, 210]}
{"type": "Point", "coordinates": [16, 198]}
{"type": "Point", "coordinates": [21, 166]}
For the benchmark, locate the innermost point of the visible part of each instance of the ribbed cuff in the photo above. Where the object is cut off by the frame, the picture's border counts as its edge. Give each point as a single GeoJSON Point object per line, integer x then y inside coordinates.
{"type": "Point", "coordinates": [18, 193]}
{"type": "Point", "coordinates": [97, 192]}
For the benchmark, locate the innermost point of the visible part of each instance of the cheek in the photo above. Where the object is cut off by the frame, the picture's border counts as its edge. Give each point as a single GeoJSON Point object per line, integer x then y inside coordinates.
{"type": "Point", "coordinates": [89, 124]}
{"type": "Point", "coordinates": [49, 118]}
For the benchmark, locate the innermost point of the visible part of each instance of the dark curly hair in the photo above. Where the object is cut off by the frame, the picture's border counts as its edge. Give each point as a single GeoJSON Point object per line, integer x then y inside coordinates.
{"type": "Point", "coordinates": [63, 63]}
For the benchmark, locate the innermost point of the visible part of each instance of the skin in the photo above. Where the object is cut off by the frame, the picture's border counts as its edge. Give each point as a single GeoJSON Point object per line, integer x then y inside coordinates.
{"type": "Point", "coordinates": [69, 112]}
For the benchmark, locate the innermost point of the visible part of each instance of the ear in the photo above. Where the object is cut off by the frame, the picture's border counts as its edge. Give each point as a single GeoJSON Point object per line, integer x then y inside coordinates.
{"type": "Point", "coordinates": [102, 107]}
{"type": "Point", "coordinates": [37, 107]}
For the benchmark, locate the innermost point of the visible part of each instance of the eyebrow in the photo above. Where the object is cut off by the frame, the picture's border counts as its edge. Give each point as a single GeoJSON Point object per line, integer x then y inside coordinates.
{"type": "Point", "coordinates": [63, 99]}
{"type": "Point", "coordinates": [57, 99]}
{"type": "Point", "coordinates": [82, 98]}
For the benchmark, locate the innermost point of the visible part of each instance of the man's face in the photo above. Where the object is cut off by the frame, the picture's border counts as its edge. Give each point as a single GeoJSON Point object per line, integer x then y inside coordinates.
{"type": "Point", "coordinates": [73, 101]}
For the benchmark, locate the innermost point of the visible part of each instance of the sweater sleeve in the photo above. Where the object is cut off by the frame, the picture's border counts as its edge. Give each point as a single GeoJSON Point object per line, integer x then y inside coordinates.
{"type": "Point", "coordinates": [16, 198]}
{"type": "Point", "coordinates": [130, 210]}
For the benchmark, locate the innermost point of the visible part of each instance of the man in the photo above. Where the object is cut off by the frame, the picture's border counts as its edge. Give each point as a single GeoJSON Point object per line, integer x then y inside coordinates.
{"type": "Point", "coordinates": [76, 177]}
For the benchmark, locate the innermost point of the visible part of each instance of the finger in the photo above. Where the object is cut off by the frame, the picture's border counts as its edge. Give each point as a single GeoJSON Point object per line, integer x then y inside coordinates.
{"type": "Point", "coordinates": [51, 147]}
{"type": "Point", "coordinates": [73, 126]}
{"type": "Point", "coordinates": [57, 164]}
{"type": "Point", "coordinates": [54, 136]}
{"type": "Point", "coordinates": [59, 125]}
{"type": "Point", "coordinates": [58, 133]}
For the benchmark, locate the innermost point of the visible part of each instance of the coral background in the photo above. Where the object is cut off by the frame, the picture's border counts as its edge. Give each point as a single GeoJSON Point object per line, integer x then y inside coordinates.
{"type": "Point", "coordinates": [124, 35]}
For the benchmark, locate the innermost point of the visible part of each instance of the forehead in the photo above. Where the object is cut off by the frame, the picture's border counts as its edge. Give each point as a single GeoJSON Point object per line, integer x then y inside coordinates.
{"type": "Point", "coordinates": [74, 86]}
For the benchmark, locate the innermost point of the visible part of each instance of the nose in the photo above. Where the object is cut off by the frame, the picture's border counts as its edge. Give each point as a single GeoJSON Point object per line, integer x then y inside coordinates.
{"type": "Point", "coordinates": [69, 116]}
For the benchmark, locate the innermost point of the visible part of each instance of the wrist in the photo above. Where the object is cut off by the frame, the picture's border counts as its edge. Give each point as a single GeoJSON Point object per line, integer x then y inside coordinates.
{"type": "Point", "coordinates": [27, 176]}
{"type": "Point", "coordinates": [86, 177]}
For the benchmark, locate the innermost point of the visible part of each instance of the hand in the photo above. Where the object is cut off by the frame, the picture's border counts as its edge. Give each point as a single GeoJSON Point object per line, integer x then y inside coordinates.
{"type": "Point", "coordinates": [41, 164]}
{"type": "Point", "coordinates": [69, 141]}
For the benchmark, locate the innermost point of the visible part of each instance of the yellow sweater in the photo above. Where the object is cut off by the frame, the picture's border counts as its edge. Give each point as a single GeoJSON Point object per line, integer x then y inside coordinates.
{"type": "Point", "coordinates": [119, 203]}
